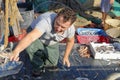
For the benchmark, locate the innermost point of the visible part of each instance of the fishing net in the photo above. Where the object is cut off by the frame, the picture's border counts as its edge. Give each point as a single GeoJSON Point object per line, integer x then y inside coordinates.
{"type": "Point", "coordinates": [49, 6]}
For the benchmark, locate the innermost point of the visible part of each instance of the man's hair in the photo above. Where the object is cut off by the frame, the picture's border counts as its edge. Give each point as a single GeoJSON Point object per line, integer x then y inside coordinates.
{"type": "Point", "coordinates": [68, 14]}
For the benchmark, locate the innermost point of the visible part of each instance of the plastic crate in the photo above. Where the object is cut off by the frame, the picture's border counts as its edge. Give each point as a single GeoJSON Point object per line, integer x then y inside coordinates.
{"type": "Point", "coordinates": [87, 35]}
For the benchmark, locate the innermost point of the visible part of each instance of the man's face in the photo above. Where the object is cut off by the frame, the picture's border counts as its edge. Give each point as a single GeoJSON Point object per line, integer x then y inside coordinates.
{"type": "Point", "coordinates": [60, 25]}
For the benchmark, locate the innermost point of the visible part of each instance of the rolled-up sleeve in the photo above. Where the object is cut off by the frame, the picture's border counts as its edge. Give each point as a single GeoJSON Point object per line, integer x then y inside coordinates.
{"type": "Point", "coordinates": [41, 24]}
{"type": "Point", "coordinates": [71, 32]}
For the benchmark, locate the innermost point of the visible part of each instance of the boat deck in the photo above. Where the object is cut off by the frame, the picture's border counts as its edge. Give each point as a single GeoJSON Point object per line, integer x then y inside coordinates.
{"type": "Point", "coordinates": [87, 68]}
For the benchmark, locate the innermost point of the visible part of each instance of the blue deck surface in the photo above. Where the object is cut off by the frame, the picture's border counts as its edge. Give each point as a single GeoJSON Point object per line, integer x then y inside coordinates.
{"type": "Point", "coordinates": [88, 68]}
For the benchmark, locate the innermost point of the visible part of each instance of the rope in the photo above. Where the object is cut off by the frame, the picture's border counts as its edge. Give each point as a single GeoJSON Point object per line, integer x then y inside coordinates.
{"type": "Point", "coordinates": [6, 24]}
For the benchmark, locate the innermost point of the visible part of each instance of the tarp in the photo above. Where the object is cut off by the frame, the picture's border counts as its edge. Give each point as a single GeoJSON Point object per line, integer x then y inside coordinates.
{"type": "Point", "coordinates": [9, 68]}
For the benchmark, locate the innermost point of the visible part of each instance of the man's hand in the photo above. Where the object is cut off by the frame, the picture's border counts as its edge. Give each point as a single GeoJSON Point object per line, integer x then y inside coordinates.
{"type": "Point", "coordinates": [14, 57]}
{"type": "Point", "coordinates": [66, 62]}
{"type": "Point", "coordinates": [69, 45]}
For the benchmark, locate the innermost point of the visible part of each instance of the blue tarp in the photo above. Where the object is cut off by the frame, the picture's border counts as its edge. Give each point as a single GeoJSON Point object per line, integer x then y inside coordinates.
{"type": "Point", "coordinates": [10, 67]}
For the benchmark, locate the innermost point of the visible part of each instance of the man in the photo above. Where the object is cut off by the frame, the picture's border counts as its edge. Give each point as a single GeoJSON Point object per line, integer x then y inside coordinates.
{"type": "Point", "coordinates": [105, 8]}
{"type": "Point", "coordinates": [41, 43]}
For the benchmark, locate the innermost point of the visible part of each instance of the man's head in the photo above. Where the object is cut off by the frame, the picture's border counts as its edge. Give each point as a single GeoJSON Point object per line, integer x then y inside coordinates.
{"type": "Point", "coordinates": [65, 18]}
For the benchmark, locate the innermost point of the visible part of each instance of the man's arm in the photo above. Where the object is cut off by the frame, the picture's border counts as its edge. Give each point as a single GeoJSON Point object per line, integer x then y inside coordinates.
{"type": "Point", "coordinates": [25, 42]}
{"type": "Point", "coordinates": [69, 45]}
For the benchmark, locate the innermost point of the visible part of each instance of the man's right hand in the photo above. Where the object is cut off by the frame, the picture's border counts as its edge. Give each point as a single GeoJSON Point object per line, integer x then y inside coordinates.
{"type": "Point", "coordinates": [14, 57]}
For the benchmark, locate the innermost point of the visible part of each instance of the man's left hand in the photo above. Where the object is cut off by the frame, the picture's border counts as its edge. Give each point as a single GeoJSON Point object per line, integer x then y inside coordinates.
{"type": "Point", "coordinates": [66, 62]}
